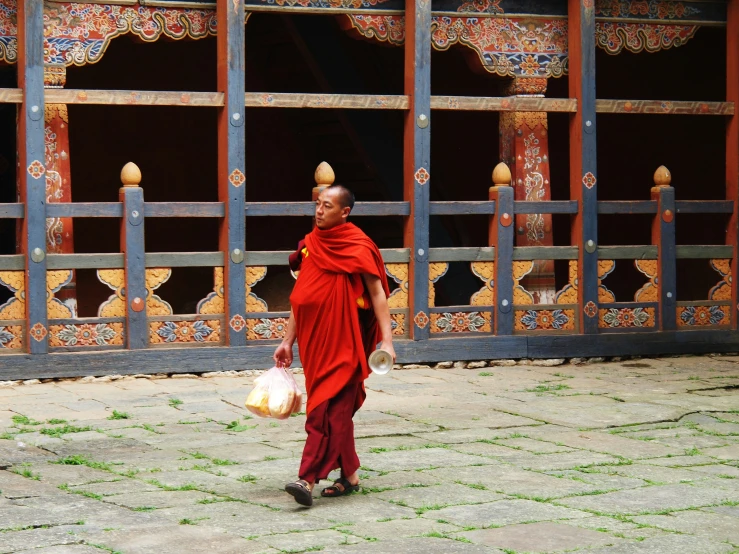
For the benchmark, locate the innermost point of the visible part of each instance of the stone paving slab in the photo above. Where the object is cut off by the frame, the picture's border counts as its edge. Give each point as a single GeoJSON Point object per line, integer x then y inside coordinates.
{"type": "Point", "coordinates": [540, 537]}
{"type": "Point", "coordinates": [660, 497]}
{"type": "Point", "coordinates": [530, 461]}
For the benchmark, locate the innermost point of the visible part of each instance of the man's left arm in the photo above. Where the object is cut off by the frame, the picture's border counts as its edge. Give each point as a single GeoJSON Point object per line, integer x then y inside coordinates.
{"type": "Point", "coordinates": [382, 311]}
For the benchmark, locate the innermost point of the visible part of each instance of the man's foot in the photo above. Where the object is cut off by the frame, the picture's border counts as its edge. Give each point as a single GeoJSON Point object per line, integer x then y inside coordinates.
{"type": "Point", "coordinates": [340, 487]}
{"type": "Point", "coordinates": [301, 492]}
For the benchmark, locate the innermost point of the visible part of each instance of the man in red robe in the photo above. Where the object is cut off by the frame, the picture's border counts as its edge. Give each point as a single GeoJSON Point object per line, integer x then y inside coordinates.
{"type": "Point", "coordinates": [339, 314]}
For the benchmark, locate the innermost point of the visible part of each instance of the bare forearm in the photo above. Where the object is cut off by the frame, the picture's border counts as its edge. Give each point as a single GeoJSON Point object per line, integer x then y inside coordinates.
{"type": "Point", "coordinates": [291, 331]}
{"type": "Point", "coordinates": [381, 309]}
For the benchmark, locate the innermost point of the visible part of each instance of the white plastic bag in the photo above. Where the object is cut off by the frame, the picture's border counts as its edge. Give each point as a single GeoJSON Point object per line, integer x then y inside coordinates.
{"type": "Point", "coordinates": [275, 395]}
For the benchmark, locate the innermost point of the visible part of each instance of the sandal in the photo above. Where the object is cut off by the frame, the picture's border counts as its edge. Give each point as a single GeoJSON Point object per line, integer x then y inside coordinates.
{"type": "Point", "coordinates": [300, 491]}
{"type": "Point", "coordinates": [340, 487]}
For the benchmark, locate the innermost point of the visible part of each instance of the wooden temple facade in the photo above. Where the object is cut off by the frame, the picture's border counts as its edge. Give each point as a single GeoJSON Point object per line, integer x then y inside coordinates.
{"type": "Point", "coordinates": [534, 296]}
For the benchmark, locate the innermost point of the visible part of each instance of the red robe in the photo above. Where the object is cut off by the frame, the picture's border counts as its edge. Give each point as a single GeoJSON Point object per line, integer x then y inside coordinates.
{"type": "Point", "coordinates": [335, 322]}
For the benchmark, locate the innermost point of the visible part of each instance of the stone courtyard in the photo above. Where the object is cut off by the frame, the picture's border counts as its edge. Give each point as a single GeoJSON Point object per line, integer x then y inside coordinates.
{"type": "Point", "coordinates": [612, 457]}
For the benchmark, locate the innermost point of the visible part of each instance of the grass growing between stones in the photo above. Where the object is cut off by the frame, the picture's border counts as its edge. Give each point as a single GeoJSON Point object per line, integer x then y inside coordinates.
{"type": "Point", "coordinates": [88, 494]}
{"type": "Point", "coordinates": [103, 547]}
{"type": "Point", "coordinates": [439, 535]}
{"type": "Point", "coordinates": [247, 479]}
{"type": "Point", "coordinates": [79, 460]}
{"type": "Point", "coordinates": [25, 471]}
{"type": "Point", "coordinates": [118, 415]}
{"type": "Point", "coordinates": [58, 432]}
{"type": "Point", "coordinates": [174, 402]}
{"type": "Point", "coordinates": [237, 427]}
{"type": "Point", "coordinates": [548, 388]}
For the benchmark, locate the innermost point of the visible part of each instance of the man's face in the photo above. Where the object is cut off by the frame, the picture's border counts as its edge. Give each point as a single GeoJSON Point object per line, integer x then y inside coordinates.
{"type": "Point", "coordinates": [329, 212]}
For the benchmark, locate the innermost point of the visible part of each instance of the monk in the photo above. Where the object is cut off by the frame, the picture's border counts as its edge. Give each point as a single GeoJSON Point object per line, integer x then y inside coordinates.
{"type": "Point", "coordinates": [339, 314]}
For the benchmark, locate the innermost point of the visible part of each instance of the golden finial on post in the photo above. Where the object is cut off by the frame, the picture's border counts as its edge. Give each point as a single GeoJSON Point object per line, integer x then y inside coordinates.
{"type": "Point", "coordinates": [130, 175]}
{"type": "Point", "coordinates": [662, 177]}
{"type": "Point", "coordinates": [502, 175]}
{"type": "Point", "coordinates": [324, 177]}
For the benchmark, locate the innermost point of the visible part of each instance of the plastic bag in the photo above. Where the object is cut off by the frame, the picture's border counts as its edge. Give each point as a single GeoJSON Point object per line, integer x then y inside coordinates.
{"type": "Point", "coordinates": [275, 395]}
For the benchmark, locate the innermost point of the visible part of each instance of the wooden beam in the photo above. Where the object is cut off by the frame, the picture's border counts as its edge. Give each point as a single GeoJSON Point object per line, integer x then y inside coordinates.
{"type": "Point", "coordinates": [484, 347]}
{"type": "Point", "coordinates": [500, 235]}
{"type": "Point", "coordinates": [32, 169]}
{"type": "Point", "coordinates": [11, 96]}
{"type": "Point", "coordinates": [416, 159]}
{"type": "Point", "coordinates": [640, 252]}
{"type": "Point", "coordinates": [546, 207]}
{"type": "Point", "coordinates": [231, 165]}
{"type": "Point", "coordinates": [704, 206]}
{"type": "Point", "coordinates": [484, 254]}
{"type": "Point", "coordinates": [342, 101]}
{"type": "Point", "coordinates": [627, 207]}
{"type": "Point", "coordinates": [13, 262]}
{"type": "Point", "coordinates": [583, 171]}
{"type": "Point", "coordinates": [545, 253]}
{"type": "Point", "coordinates": [461, 208]}
{"type": "Point", "coordinates": [264, 209]}
{"type": "Point", "coordinates": [665, 107]}
{"type": "Point", "coordinates": [134, 97]}
{"type": "Point", "coordinates": [732, 147]}
{"type": "Point", "coordinates": [12, 211]}
{"type": "Point", "coordinates": [503, 104]}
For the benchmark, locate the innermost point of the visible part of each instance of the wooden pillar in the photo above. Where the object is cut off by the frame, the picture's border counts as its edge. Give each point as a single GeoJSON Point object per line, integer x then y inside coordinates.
{"type": "Point", "coordinates": [131, 195]}
{"type": "Point", "coordinates": [231, 153]}
{"type": "Point", "coordinates": [732, 146]}
{"type": "Point", "coordinates": [663, 236]}
{"type": "Point", "coordinates": [583, 172]}
{"type": "Point", "coordinates": [500, 235]}
{"type": "Point", "coordinates": [31, 169]}
{"type": "Point", "coordinates": [59, 236]}
{"type": "Point", "coordinates": [416, 160]}
{"type": "Point", "coordinates": [524, 146]}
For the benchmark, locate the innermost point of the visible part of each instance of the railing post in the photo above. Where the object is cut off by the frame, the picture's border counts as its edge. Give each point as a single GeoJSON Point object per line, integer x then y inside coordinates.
{"type": "Point", "coordinates": [32, 170]}
{"type": "Point", "coordinates": [583, 158]}
{"type": "Point", "coordinates": [231, 166]}
{"type": "Point", "coordinates": [500, 235]}
{"type": "Point", "coordinates": [732, 148]}
{"type": "Point", "coordinates": [663, 236]}
{"type": "Point", "coordinates": [417, 160]}
{"type": "Point", "coordinates": [132, 246]}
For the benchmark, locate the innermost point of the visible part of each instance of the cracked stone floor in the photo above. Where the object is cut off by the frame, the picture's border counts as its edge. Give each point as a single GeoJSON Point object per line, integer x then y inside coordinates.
{"type": "Point", "coordinates": [637, 456]}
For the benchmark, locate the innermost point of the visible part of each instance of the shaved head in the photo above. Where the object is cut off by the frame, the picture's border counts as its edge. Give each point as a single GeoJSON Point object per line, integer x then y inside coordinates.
{"type": "Point", "coordinates": [344, 196]}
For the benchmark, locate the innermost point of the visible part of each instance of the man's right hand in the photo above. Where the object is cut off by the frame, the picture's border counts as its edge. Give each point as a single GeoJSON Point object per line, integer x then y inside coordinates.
{"type": "Point", "coordinates": [284, 354]}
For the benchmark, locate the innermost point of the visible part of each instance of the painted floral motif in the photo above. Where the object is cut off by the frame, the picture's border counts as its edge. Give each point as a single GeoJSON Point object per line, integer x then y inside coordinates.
{"type": "Point", "coordinates": [237, 323]}
{"type": "Point", "coordinates": [184, 331]}
{"type": "Point", "coordinates": [651, 9]}
{"type": "Point", "coordinates": [78, 34]}
{"type": "Point", "coordinates": [385, 28]}
{"type": "Point", "coordinates": [627, 317]}
{"type": "Point", "coordinates": [267, 328]}
{"type": "Point", "coordinates": [421, 320]}
{"type": "Point", "coordinates": [422, 176]}
{"type": "Point", "coordinates": [507, 46]}
{"type": "Point", "coordinates": [398, 273]}
{"type": "Point", "coordinates": [589, 180]}
{"type": "Point", "coordinates": [86, 334]}
{"type": "Point", "coordinates": [545, 319]}
{"type": "Point", "coordinates": [486, 272]}
{"type": "Point", "coordinates": [336, 4]}
{"type": "Point", "coordinates": [481, 6]}
{"type": "Point", "coordinates": [590, 309]}
{"type": "Point", "coordinates": [10, 336]}
{"type": "Point", "coordinates": [36, 169]}
{"type": "Point", "coordinates": [703, 315]}
{"type": "Point", "coordinates": [638, 37]}
{"type": "Point", "coordinates": [38, 332]}
{"type": "Point", "coordinates": [15, 306]}
{"type": "Point", "coordinates": [649, 292]}
{"type": "Point", "coordinates": [460, 322]}
{"type": "Point", "coordinates": [237, 178]}
{"type": "Point", "coordinates": [722, 290]}
{"type": "Point", "coordinates": [397, 323]}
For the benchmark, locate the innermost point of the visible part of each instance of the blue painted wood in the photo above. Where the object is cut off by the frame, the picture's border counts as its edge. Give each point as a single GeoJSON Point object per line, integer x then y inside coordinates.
{"type": "Point", "coordinates": [503, 236]}
{"type": "Point", "coordinates": [197, 360]}
{"type": "Point", "coordinates": [231, 165]}
{"type": "Point", "coordinates": [12, 211]}
{"type": "Point", "coordinates": [132, 245]}
{"type": "Point", "coordinates": [417, 159]}
{"type": "Point", "coordinates": [583, 168]}
{"type": "Point", "coordinates": [32, 170]}
{"type": "Point", "coordinates": [667, 265]}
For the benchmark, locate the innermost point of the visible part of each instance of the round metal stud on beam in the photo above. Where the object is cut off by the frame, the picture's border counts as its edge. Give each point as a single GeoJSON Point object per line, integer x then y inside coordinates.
{"type": "Point", "coordinates": [137, 304]}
